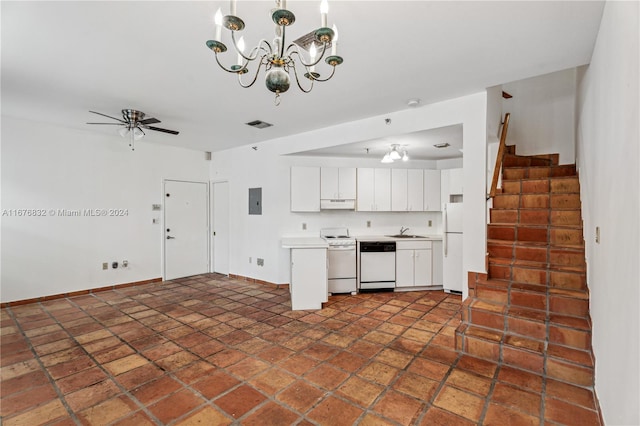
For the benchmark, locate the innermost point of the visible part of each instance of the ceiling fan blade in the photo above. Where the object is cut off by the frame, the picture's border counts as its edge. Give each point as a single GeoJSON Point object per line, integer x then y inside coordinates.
{"type": "Point", "coordinates": [158, 129]}
{"type": "Point", "coordinates": [147, 121]}
{"type": "Point", "coordinates": [108, 116]}
{"type": "Point", "coordinates": [112, 124]}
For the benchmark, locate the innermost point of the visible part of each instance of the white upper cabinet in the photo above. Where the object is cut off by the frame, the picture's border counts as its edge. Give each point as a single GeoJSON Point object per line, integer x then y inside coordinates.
{"type": "Point", "coordinates": [338, 183]}
{"type": "Point", "coordinates": [374, 189]}
{"type": "Point", "coordinates": [305, 189]}
{"type": "Point", "coordinates": [432, 200]}
{"type": "Point", "coordinates": [451, 184]}
{"type": "Point", "coordinates": [407, 193]}
{"type": "Point", "coordinates": [455, 181]}
{"type": "Point", "coordinates": [415, 190]}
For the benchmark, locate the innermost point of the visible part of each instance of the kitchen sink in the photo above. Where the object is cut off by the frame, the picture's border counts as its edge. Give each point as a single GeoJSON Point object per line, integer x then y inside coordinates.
{"type": "Point", "coordinates": [405, 236]}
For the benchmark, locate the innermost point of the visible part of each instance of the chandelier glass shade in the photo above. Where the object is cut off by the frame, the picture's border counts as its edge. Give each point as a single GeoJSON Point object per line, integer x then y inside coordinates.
{"type": "Point", "coordinates": [395, 153]}
{"type": "Point", "coordinates": [281, 61]}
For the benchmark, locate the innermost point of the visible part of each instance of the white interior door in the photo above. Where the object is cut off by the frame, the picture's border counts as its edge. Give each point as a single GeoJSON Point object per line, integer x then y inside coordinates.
{"type": "Point", "coordinates": [221, 227]}
{"type": "Point", "coordinates": [186, 229]}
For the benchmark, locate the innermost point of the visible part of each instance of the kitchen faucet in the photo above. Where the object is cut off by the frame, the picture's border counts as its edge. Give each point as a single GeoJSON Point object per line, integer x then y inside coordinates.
{"type": "Point", "coordinates": [403, 230]}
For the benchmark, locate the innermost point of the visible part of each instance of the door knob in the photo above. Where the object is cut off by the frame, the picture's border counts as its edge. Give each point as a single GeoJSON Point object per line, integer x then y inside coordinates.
{"type": "Point", "coordinates": [169, 237]}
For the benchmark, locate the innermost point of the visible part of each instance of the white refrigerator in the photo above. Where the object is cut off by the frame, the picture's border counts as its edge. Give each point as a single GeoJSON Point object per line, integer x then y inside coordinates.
{"type": "Point", "coordinates": [452, 274]}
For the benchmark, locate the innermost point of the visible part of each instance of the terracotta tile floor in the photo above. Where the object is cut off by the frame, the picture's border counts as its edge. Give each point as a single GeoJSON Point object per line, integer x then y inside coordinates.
{"type": "Point", "coordinates": [210, 350]}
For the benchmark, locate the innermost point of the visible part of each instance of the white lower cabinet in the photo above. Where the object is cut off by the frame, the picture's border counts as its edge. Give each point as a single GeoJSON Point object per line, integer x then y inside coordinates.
{"type": "Point", "coordinates": [414, 264]}
{"type": "Point", "coordinates": [309, 288]}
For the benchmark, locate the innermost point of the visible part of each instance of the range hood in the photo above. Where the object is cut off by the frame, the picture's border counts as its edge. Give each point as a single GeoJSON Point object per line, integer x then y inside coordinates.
{"type": "Point", "coordinates": [337, 204]}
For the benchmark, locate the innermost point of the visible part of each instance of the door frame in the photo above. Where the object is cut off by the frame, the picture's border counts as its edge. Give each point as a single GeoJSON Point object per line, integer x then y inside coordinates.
{"type": "Point", "coordinates": [163, 232]}
{"type": "Point", "coordinates": [212, 222]}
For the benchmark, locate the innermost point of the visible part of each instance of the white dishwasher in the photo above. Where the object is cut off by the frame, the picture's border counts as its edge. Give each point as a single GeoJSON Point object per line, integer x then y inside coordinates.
{"type": "Point", "coordinates": [377, 265]}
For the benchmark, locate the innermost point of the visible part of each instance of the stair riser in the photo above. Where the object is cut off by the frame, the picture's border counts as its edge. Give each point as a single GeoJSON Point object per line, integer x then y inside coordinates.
{"type": "Point", "coordinates": [511, 173]}
{"type": "Point", "coordinates": [523, 359]}
{"type": "Point", "coordinates": [566, 217]}
{"type": "Point", "coordinates": [575, 281]}
{"type": "Point", "coordinates": [579, 339]}
{"type": "Point", "coordinates": [515, 215]}
{"type": "Point", "coordinates": [554, 257]}
{"type": "Point", "coordinates": [566, 237]}
{"type": "Point", "coordinates": [533, 329]}
{"type": "Point", "coordinates": [521, 161]}
{"type": "Point", "coordinates": [569, 306]}
{"type": "Point", "coordinates": [567, 257]}
{"type": "Point", "coordinates": [570, 373]}
{"type": "Point", "coordinates": [566, 185]}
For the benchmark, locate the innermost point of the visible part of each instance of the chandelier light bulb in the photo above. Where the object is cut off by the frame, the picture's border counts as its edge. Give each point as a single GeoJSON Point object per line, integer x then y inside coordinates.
{"type": "Point", "coordinates": [217, 19]}
{"type": "Point", "coordinates": [324, 11]}
{"type": "Point", "coordinates": [405, 157]}
{"type": "Point", "coordinates": [240, 50]}
{"type": "Point", "coordinates": [312, 55]}
{"type": "Point", "coordinates": [387, 159]}
{"type": "Point", "coordinates": [394, 154]}
{"type": "Point", "coordinates": [123, 132]}
{"type": "Point", "coordinates": [334, 42]}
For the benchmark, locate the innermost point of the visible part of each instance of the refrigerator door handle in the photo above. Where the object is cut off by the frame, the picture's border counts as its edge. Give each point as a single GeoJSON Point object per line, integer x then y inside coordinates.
{"type": "Point", "coordinates": [445, 225]}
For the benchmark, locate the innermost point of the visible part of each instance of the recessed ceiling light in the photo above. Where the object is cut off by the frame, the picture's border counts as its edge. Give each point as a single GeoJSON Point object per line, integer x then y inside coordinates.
{"type": "Point", "coordinates": [412, 103]}
{"type": "Point", "coordinates": [442, 145]}
{"type": "Point", "coordinates": [259, 124]}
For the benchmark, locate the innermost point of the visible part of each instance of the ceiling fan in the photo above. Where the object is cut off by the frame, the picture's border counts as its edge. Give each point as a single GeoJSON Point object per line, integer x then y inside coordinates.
{"type": "Point", "coordinates": [132, 123]}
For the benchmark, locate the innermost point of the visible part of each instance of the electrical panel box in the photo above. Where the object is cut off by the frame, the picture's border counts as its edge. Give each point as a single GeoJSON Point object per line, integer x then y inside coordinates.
{"type": "Point", "coordinates": [255, 201]}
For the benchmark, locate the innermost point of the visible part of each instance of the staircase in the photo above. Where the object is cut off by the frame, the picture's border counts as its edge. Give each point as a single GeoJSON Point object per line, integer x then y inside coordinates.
{"type": "Point", "coordinates": [531, 310]}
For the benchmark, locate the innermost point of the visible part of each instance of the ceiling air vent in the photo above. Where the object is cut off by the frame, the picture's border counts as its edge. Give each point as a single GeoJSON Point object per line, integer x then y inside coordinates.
{"type": "Point", "coordinates": [259, 124]}
{"type": "Point", "coordinates": [442, 145]}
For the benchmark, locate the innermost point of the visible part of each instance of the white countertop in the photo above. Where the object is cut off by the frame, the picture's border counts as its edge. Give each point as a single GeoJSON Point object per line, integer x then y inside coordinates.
{"type": "Point", "coordinates": [388, 238]}
{"type": "Point", "coordinates": [304, 242]}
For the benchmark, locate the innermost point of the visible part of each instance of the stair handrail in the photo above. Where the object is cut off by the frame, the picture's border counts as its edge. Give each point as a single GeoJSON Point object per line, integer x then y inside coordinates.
{"type": "Point", "coordinates": [500, 156]}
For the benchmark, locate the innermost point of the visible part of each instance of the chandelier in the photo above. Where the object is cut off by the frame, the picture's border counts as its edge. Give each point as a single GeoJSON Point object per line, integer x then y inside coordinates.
{"type": "Point", "coordinates": [279, 61]}
{"type": "Point", "coordinates": [394, 154]}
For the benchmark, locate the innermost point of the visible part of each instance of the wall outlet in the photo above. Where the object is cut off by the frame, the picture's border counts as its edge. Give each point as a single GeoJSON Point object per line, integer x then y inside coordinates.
{"type": "Point", "coordinates": [368, 224]}
{"type": "Point", "coordinates": [105, 265]}
{"type": "Point", "coordinates": [430, 223]}
{"type": "Point", "coordinates": [260, 262]}
{"type": "Point", "coordinates": [304, 226]}
{"type": "Point", "coordinates": [598, 234]}
{"type": "Point", "coordinates": [249, 259]}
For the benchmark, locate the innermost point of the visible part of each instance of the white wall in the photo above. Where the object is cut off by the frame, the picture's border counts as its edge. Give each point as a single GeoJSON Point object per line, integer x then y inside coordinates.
{"type": "Point", "coordinates": [50, 167]}
{"type": "Point", "coordinates": [543, 115]}
{"type": "Point", "coordinates": [608, 158]}
{"type": "Point", "coordinates": [268, 168]}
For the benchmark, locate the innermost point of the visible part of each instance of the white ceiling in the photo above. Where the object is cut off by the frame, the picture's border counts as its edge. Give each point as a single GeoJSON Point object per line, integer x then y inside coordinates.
{"type": "Point", "coordinates": [419, 145]}
{"type": "Point", "coordinates": [62, 59]}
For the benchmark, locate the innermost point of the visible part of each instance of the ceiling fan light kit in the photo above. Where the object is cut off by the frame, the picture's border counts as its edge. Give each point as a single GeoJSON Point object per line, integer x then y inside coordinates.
{"type": "Point", "coordinates": [132, 123]}
{"type": "Point", "coordinates": [279, 61]}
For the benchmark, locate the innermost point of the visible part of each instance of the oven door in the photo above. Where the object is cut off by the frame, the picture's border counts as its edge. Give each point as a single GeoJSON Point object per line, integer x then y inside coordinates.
{"type": "Point", "coordinates": [341, 262]}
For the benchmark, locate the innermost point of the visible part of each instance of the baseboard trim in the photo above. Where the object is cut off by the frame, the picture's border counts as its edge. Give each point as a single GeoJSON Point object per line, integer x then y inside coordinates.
{"type": "Point", "coordinates": [257, 281]}
{"type": "Point", "coordinates": [78, 293]}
